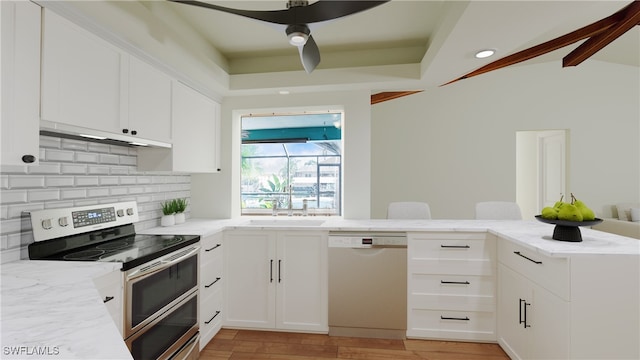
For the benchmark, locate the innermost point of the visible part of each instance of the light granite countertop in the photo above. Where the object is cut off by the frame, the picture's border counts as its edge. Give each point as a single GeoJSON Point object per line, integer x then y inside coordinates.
{"type": "Point", "coordinates": [52, 310]}
{"type": "Point", "coordinates": [530, 233]}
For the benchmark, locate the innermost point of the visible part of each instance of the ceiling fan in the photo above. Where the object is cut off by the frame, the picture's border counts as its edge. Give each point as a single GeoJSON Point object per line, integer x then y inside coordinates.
{"type": "Point", "coordinates": [297, 17]}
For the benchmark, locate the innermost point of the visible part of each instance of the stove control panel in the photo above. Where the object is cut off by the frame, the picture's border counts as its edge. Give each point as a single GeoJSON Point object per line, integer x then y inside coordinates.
{"type": "Point", "coordinates": [54, 223]}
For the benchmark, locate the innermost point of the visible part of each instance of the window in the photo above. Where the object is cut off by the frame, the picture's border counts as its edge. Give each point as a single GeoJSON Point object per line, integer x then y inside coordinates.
{"type": "Point", "coordinates": [287, 159]}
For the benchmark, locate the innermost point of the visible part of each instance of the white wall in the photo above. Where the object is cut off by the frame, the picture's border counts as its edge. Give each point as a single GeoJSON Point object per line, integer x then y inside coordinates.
{"type": "Point", "coordinates": [455, 145]}
{"type": "Point", "coordinates": [218, 195]}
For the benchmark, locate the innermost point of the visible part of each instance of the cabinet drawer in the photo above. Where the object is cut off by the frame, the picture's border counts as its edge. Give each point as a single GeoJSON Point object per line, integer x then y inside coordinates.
{"type": "Point", "coordinates": [475, 293]}
{"type": "Point", "coordinates": [549, 272]}
{"type": "Point", "coordinates": [210, 317]}
{"type": "Point", "coordinates": [451, 246]}
{"type": "Point", "coordinates": [211, 246]}
{"type": "Point", "coordinates": [451, 325]}
{"type": "Point", "coordinates": [211, 277]}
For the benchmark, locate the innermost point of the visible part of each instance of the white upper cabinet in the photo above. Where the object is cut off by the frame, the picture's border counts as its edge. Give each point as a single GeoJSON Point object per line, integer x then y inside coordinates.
{"type": "Point", "coordinates": [149, 102]}
{"type": "Point", "coordinates": [89, 83]}
{"type": "Point", "coordinates": [195, 126]}
{"type": "Point", "coordinates": [20, 43]}
{"type": "Point", "coordinates": [81, 76]}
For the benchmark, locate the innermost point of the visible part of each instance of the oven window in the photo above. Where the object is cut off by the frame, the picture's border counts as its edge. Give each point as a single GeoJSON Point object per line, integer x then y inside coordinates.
{"type": "Point", "coordinates": [162, 335]}
{"type": "Point", "coordinates": [154, 292]}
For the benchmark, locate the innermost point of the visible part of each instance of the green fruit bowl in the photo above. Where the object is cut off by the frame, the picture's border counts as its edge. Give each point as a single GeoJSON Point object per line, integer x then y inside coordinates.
{"type": "Point", "coordinates": [568, 230]}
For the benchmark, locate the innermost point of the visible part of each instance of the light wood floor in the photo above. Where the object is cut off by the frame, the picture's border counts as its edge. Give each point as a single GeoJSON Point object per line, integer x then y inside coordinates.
{"type": "Point", "coordinates": [257, 345]}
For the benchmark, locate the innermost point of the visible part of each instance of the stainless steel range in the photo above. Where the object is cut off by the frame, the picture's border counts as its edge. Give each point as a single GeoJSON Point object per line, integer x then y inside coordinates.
{"type": "Point", "coordinates": [160, 273]}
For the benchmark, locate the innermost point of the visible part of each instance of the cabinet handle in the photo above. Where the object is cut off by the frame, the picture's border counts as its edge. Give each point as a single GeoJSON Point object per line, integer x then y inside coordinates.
{"type": "Point", "coordinates": [454, 282]}
{"type": "Point", "coordinates": [107, 299]}
{"type": "Point", "coordinates": [271, 271]}
{"type": "Point", "coordinates": [455, 246]}
{"type": "Point", "coordinates": [214, 316]}
{"type": "Point", "coordinates": [530, 259]}
{"type": "Point", "coordinates": [214, 281]}
{"type": "Point", "coordinates": [279, 272]}
{"type": "Point", "coordinates": [125, 131]}
{"type": "Point", "coordinates": [213, 248]}
{"type": "Point", "coordinates": [522, 315]}
{"type": "Point", "coordinates": [28, 159]}
{"type": "Point", "coordinates": [466, 318]}
{"type": "Point", "coordinates": [134, 132]}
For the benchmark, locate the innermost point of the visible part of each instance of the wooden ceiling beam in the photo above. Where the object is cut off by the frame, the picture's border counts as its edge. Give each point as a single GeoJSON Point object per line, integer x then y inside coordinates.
{"type": "Point", "coordinates": [390, 95]}
{"type": "Point", "coordinates": [597, 42]}
{"type": "Point", "coordinates": [585, 32]}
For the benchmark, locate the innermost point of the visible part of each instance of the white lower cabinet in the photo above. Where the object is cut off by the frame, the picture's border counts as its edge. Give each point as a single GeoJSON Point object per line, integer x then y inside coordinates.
{"type": "Point", "coordinates": [451, 286]}
{"type": "Point", "coordinates": [583, 306]}
{"type": "Point", "coordinates": [111, 289]}
{"type": "Point", "coordinates": [276, 280]}
{"type": "Point", "coordinates": [210, 292]}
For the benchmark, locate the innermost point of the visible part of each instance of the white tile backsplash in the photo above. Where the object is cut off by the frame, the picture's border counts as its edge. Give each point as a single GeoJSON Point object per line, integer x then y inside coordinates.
{"type": "Point", "coordinates": [79, 173]}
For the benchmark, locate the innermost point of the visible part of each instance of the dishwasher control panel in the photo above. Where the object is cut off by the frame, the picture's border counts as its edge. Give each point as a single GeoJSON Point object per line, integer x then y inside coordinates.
{"type": "Point", "coordinates": [345, 240]}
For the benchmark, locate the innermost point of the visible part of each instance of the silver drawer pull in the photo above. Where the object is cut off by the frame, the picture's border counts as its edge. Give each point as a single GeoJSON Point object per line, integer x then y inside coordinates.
{"type": "Point", "coordinates": [454, 282]}
{"type": "Point", "coordinates": [530, 259]}
{"type": "Point", "coordinates": [455, 246]}
{"type": "Point", "coordinates": [466, 318]}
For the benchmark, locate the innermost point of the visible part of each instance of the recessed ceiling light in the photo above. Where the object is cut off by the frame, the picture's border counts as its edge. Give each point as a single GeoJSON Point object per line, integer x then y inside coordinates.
{"type": "Point", "coordinates": [283, 92]}
{"type": "Point", "coordinates": [484, 53]}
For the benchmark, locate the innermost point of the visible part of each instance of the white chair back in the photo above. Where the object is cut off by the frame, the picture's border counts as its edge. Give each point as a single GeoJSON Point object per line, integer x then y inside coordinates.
{"type": "Point", "coordinates": [408, 210]}
{"type": "Point", "coordinates": [498, 210]}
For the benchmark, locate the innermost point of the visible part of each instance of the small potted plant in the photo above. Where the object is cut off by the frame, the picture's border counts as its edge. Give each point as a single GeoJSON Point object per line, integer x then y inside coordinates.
{"type": "Point", "coordinates": [180, 205]}
{"type": "Point", "coordinates": [168, 210]}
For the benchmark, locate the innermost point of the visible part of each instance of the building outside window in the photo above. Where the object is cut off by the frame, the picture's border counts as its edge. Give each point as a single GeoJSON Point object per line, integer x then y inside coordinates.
{"type": "Point", "coordinates": [293, 156]}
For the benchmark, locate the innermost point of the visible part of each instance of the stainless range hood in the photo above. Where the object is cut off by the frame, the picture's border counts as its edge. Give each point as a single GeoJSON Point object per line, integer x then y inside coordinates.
{"type": "Point", "coordinates": [49, 128]}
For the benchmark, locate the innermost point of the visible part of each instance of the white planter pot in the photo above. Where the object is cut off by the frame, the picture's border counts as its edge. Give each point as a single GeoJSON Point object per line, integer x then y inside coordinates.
{"type": "Point", "coordinates": [168, 220]}
{"type": "Point", "coordinates": [180, 218]}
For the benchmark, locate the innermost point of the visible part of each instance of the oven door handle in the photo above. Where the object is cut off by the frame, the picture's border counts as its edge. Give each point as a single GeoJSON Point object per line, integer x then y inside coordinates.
{"type": "Point", "coordinates": [163, 263]}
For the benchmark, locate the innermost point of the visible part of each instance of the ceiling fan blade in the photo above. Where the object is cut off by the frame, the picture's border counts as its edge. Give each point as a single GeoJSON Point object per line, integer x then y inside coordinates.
{"type": "Point", "coordinates": [331, 9]}
{"type": "Point", "coordinates": [309, 55]}
{"type": "Point", "coordinates": [273, 16]}
{"type": "Point", "coordinates": [317, 12]}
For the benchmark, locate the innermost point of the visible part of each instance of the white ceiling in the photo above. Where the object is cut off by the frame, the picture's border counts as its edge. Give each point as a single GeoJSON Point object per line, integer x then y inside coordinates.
{"type": "Point", "coordinates": [400, 45]}
{"type": "Point", "coordinates": [440, 35]}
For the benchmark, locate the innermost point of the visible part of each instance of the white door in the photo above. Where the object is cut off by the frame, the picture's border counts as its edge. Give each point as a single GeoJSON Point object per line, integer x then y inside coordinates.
{"type": "Point", "coordinates": [541, 169]}
{"type": "Point", "coordinates": [552, 167]}
{"type": "Point", "coordinates": [302, 291]}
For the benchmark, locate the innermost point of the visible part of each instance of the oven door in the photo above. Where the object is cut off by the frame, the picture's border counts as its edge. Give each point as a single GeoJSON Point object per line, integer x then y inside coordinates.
{"type": "Point", "coordinates": [153, 288]}
{"type": "Point", "coordinates": [173, 335]}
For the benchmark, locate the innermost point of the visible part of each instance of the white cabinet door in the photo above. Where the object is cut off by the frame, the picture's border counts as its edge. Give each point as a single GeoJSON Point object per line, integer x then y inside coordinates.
{"type": "Point", "coordinates": [81, 77]}
{"type": "Point", "coordinates": [513, 292]}
{"type": "Point", "coordinates": [302, 292]}
{"type": "Point", "coordinates": [149, 104]}
{"type": "Point", "coordinates": [250, 277]}
{"type": "Point", "coordinates": [276, 280]}
{"type": "Point", "coordinates": [195, 126]}
{"type": "Point", "coordinates": [549, 324]}
{"type": "Point", "coordinates": [20, 63]}
{"type": "Point", "coordinates": [20, 42]}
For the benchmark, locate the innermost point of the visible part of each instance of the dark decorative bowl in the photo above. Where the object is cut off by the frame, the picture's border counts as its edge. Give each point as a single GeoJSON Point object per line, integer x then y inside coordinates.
{"type": "Point", "coordinates": [568, 230]}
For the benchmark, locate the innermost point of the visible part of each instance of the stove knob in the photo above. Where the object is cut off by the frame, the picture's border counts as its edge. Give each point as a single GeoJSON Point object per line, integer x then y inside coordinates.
{"type": "Point", "coordinates": [130, 211]}
{"type": "Point", "coordinates": [120, 213]}
{"type": "Point", "coordinates": [63, 221]}
{"type": "Point", "coordinates": [46, 224]}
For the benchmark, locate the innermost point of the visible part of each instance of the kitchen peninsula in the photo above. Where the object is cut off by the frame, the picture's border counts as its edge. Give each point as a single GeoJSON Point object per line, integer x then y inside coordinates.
{"type": "Point", "coordinates": [595, 282]}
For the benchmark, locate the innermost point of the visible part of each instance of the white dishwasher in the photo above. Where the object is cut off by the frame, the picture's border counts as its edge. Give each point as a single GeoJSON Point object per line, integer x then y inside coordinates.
{"type": "Point", "coordinates": [368, 284]}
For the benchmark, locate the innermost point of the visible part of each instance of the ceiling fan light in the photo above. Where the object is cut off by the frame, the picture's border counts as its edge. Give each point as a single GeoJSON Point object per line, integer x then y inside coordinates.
{"type": "Point", "coordinates": [298, 34]}
{"type": "Point", "coordinates": [484, 53]}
